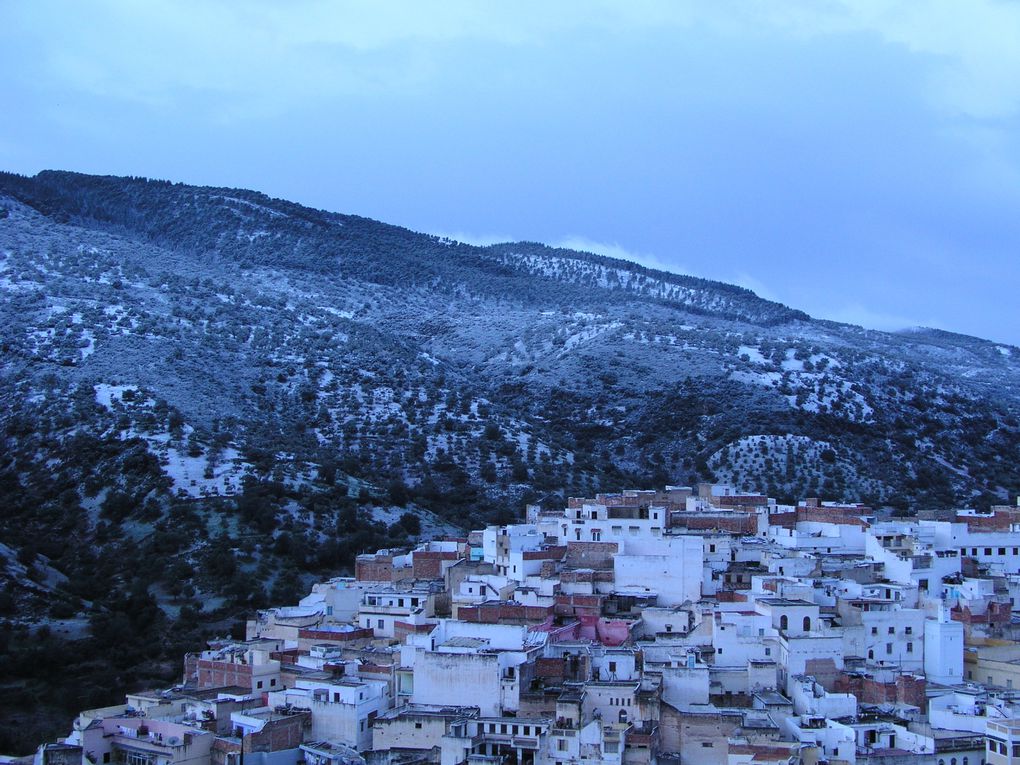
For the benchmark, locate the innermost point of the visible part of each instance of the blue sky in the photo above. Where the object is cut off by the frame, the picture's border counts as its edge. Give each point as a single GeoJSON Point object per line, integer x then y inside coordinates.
{"type": "Point", "coordinates": [857, 160]}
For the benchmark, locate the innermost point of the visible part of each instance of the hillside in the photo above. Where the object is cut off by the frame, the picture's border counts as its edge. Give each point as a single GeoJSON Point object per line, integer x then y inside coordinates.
{"type": "Point", "coordinates": [210, 396]}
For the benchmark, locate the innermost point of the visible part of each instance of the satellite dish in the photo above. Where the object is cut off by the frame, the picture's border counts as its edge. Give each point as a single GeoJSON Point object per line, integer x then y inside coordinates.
{"type": "Point", "coordinates": [173, 741]}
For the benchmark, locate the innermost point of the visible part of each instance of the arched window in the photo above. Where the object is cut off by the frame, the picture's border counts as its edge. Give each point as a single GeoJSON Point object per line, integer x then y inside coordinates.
{"type": "Point", "coordinates": [807, 623]}
{"type": "Point", "coordinates": [623, 715]}
{"type": "Point", "coordinates": [871, 655]}
{"type": "Point", "coordinates": [784, 623]}
{"type": "Point", "coordinates": [965, 760]}
{"type": "Point", "coordinates": [952, 761]}
{"type": "Point", "coordinates": [942, 762]}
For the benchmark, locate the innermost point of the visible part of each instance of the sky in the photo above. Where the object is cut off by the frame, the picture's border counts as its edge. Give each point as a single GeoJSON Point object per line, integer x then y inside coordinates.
{"type": "Point", "coordinates": [856, 160]}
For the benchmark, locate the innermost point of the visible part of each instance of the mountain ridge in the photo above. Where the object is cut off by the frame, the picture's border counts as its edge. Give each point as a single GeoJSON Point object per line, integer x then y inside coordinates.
{"type": "Point", "coordinates": [211, 398]}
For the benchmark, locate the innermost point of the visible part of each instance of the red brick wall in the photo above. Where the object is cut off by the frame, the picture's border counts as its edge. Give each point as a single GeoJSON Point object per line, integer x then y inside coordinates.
{"type": "Point", "coordinates": [907, 689]}
{"type": "Point", "coordinates": [277, 735]}
{"type": "Point", "coordinates": [735, 523]}
{"type": "Point", "coordinates": [571, 605]}
{"type": "Point", "coordinates": [429, 565]}
{"type": "Point", "coordinates": [495, 613]}
{"type": "Point", "coordinates": [549, 553]}
{"type": "Point", "coordinates": [378, 569]}
{"type": "Point", "coordinates": [999, 520]}
{"type": "Point", "coordinates": [216, 674]}
{"type": "Point", "coordinates": [591, 554]}
{"type": "Point", "coordinates": [327, 636]}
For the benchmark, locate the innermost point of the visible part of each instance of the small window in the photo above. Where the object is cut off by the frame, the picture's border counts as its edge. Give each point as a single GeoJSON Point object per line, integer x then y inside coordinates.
{"type": "Point", "coordinates": [272, 682]}
{"type": "Point", "coordinates": [892, 630]}
{"type": "Point", "coordinates": [612, 666]}
{"type": "Point", "coordinates": [910, 647]}
{"type": "Point", "coordinates": [106, 757]}
{"type": "Point", "coordinates": [417, 726]}
{"type": "Point", "coordinates": [908, 630]}
{"type": "Point", "coordinates": [888, 647]}
{"type": "Point", "coordinates": [1002, 551]}
{"type": "Point", "coordinates": [380, 623]}
{"type": "Point", "coordinates": [260, 684]}
{"type": "Point", "coordinates": [768, 651]}
{"type": "Point", "coordinates": [874, 630]}
{"type": "Point", "coordinates": [707, 744]}
{"type": "Point", "coordinates": [988, 551]}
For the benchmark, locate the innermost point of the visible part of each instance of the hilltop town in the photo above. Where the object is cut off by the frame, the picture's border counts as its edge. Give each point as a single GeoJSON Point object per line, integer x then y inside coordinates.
{"type": "Point", "coordinates": [685, 626]}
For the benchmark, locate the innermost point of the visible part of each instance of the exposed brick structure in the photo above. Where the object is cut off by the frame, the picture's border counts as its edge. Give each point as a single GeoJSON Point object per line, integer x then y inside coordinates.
{"type": "Point", "coordinates": [277, 735]}
{"type": "Point", "coordinates": [331, 636]}
{"type": "Point", "coordinates": [907, 689]}
{"type": "Point", "coordinates": [510, 613]}
{"type": "Point", "coordinates": [591, 554]}
{"type": "Point", "coordinates": [428, 564]}
{"type": "Point", "coordinates": [578, 605]}
{"type": "Point", "coordinates": [216, 674]}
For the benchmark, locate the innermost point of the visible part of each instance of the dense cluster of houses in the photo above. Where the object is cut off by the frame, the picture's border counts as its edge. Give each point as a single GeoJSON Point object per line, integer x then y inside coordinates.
{"type": "Point", "coordinates": [682, 627]}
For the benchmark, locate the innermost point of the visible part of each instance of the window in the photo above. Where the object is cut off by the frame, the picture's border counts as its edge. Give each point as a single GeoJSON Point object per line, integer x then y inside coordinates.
{"type": "Point", "coordinates": [892, 630]}
{"type": "Point", "coordinates": [380, 623]}
{"type": "Point", "coordinates": [874, 630]}
{"type": "Point", "coordinates": [417, 726]}
{"type": "Point", "coordinates": [908, 630]}
{"type": "Point", "coordinates": [784, 622]}
{"type": "Point", "coordinates": [1002, 551]}
{"type": "Point", "coordinates": [807, 623]}
{"type": "Point", "coordinates": [711, 548]}
{"type": "Point", "coordinates": [561, 745]}
{"type": "Point", "coordinates": [871, 654]}
{"type": "Point", "coordinates": [612, 666]}
{"type": "Point", "coordinates": [1016, 750]}
{"type": "Point", "coordinates": [910, 647]}
{"type": "Point", "coordinates": [272, 682]}
{"type": "Point", "coordinates": [768, 651]}
{"type": "Point", "coordinates": [888, 647]}
{"type": "Point", "coordinates": [988, 551]}
{"type": "Point", "coordinates": [707, 744]}
{"type": "Point", "coordinates": [260, 684]}
{"type": "Point", "coordinates": [106, 756]}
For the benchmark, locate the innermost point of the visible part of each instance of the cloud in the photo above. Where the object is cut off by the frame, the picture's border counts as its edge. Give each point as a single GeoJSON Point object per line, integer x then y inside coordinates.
{"type": "Point", "coordinates": [758, 287]}
{"type": "Point", "coordinates": [478, 240]}
{"type": "Point", "coordinates": [970, 49]}
{"type": "Point", "coordinates": [856, 313]}
{"type": "Point", "coordinates": [267, 55]}
{"type": "Point", "coordinates": [616, 250]}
